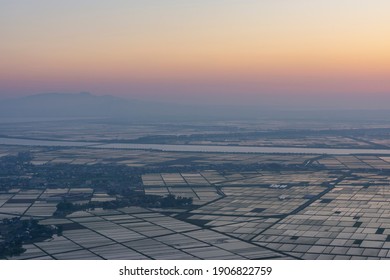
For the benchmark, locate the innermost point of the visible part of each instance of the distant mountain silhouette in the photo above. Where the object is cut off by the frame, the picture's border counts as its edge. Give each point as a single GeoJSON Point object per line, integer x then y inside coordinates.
{"type": "Point", "coordinates": [54, 105]}
{"type": "Point", "coordinates": [83, 104]}
{"type": "Point", "coordinates": [87, 105]}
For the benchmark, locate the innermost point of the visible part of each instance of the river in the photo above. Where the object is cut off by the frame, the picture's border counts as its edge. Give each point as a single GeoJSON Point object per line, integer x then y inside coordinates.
{"type": "Point", "coordinates": [194, 148]}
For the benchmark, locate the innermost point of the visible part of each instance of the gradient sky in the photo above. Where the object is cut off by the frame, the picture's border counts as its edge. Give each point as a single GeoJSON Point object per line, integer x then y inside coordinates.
{"type": "Point", "coordinates": [277, 52]}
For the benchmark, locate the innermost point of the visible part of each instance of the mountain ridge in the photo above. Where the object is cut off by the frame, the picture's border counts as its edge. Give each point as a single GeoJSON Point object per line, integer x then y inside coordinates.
{"type": "Point", "coordinates": [85, 104]}
{"type": "Point", "coordinates": [88, 105]}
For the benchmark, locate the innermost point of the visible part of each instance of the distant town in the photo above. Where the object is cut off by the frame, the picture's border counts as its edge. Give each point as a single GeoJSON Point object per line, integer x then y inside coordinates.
{"type": "Point", "coordinates": [83, 194]}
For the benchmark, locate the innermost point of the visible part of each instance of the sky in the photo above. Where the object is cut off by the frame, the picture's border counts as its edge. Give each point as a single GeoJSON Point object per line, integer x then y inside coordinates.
{"type": "Point", "coordinates": [307, 53]}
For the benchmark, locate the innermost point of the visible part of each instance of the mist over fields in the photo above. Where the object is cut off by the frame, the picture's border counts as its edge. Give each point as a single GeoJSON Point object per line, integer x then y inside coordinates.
{"type": "Point", "coordinates": [88, 105]}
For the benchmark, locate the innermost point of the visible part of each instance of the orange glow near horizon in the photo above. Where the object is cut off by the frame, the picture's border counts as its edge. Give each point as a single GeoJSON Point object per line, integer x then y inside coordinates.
{"type": "Point", "coordinates": [262, 47]}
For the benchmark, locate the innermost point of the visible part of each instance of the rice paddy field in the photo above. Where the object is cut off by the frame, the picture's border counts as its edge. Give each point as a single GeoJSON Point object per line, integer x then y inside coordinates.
{"type": "Point", "coordinates": [244, 205]}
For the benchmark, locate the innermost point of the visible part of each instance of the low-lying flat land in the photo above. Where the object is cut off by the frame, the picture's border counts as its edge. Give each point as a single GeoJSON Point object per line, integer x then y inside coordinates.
{"type": "Point", "coordinates": [244, 206]}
